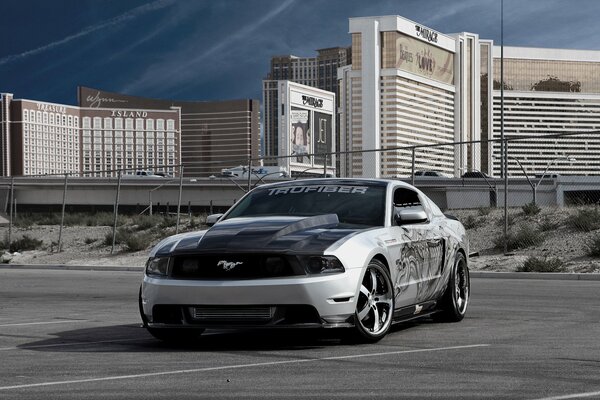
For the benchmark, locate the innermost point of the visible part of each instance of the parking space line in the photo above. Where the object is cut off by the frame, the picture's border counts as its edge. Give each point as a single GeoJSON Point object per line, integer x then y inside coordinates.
{"type": "Point", "coordinates": [44, 323]}
{"type": "Point", "coordinates": [573, 396]}
{"type": "Point", "coordinates": [252, 365]}
{"type": "Point", "coordinates": [67, 344]}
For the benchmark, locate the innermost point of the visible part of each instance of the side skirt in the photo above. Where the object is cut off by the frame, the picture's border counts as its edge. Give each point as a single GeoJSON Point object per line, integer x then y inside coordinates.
{"type": "Point", "coordinates": [415, 311]}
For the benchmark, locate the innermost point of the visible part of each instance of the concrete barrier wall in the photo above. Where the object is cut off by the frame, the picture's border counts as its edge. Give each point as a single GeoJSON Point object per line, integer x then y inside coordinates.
{"type": "Point", "coordinates": [447, 193]}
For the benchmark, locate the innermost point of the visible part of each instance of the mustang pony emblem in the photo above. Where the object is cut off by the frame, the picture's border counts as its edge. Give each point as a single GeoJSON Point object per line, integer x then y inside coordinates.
{"type": "Point", "coordinates": [228, 265]}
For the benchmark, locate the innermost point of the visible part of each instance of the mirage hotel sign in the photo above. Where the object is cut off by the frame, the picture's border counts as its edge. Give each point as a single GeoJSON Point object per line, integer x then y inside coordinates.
{"type": "Point", "coordinates": [426, 34]}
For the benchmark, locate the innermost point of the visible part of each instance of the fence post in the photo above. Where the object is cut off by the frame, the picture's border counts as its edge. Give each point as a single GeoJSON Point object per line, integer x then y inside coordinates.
{"type": "Point", "coordinates": [325, 167]}
{"type": "Point", "coordinates": [249, 174]}
{"type": "Point", "coordinates": [210, 212]}
{"type": "Point", "coordinates": [10, 204]}
{"type": "Point", "coordinates": [412, 174]}
{"type": "Point", "coordinates": [62, 216]}
{"type": "Point", "coordinates": [504, 169]}
{"type": "Point", "coordinates": [179, 198]}
{"type": "Point", "coordinates": [114, 232]}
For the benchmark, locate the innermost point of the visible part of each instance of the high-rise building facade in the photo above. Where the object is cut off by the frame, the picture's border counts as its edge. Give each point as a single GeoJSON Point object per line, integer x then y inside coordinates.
{"type": "Point", "coordinates": [50, 138]}
{"type": "Point", "coordinates": [410, 86]}
{"type": "Point", "coordinates": [214, 134]}
{"type": "Point", "coordinates": [546, 92]}
{"type": "Point", "coordinates": [319, 72]}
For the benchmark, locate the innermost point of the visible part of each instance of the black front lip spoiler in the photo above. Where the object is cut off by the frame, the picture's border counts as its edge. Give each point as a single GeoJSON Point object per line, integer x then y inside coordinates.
{"type": "Point", "coordinates": [324, 325]}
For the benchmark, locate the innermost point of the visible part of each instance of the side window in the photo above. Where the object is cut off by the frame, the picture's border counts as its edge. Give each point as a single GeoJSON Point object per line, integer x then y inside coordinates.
{"type": "Point", "coordinates": [408, 208]}
{"type": "Point", "coordinates": [404, 197]}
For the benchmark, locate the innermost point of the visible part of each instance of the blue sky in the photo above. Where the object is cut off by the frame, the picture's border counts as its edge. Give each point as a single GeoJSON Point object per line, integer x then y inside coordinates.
{"type": "Point", "coordinates": [220, 49]}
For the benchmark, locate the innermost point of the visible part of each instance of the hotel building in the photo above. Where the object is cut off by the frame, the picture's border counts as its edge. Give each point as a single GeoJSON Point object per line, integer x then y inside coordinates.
{"type": "Point", "coordinates": [546, 92]}
{"type": "Point", "coordinates": [410, 85]}
{"type": "Point", "coordinates": [214, 134]}
{"type": "Point", "coordinates": [318, 72]}
{"type": "Point", "coordinates": [46, 138]}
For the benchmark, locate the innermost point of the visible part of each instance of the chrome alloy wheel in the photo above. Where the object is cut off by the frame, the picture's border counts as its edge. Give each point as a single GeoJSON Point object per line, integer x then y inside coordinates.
{"type": "Point", "coordinates": [461, 286]}
{"type": "Point", "coordinates": [375, 305]}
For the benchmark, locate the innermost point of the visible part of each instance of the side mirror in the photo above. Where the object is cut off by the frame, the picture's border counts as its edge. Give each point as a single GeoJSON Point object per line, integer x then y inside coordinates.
{"type": "Point", "coordinates": [404, 216]}
{"type": "Point", "coordinates": [213, 219]}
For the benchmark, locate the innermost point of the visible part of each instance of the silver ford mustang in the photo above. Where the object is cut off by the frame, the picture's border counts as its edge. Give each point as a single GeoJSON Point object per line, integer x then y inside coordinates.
{"type": "Point", "coordinates": [333, 253]}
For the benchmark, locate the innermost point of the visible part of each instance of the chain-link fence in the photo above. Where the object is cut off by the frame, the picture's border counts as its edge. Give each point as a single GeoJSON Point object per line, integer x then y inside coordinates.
{"type": "Point", "coordinates": [546, 204]}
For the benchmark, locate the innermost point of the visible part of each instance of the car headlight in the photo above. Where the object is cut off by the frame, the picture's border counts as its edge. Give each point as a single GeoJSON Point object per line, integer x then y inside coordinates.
{"type": "Point", "coordinates": [158, 267]}
{"type": "Point", "coordinates": [324, 265]}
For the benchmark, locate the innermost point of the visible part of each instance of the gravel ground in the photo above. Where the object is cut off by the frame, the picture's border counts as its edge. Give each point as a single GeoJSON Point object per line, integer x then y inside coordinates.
{"type": "Point", "coordinates": [558, 240]}
{"type": "Point", "coordinates": [83, 245]}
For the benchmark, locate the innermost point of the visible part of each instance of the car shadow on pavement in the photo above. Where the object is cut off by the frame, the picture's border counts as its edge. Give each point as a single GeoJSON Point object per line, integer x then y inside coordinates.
{"type": "Point", "coordinates": [135, 338]}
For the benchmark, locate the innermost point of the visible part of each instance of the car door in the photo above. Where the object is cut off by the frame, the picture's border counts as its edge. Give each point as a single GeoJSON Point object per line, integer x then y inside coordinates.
{"type": "Point", "coordinates": [421, 249]}
{"type": "Point", "coordinates": [407, 251]}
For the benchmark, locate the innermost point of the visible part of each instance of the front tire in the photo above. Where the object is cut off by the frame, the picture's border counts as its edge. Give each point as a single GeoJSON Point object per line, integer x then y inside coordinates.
{"type": "Point", "coordinates": [454, 302]}
{"type": "Point", "coordinates": [375, 303]}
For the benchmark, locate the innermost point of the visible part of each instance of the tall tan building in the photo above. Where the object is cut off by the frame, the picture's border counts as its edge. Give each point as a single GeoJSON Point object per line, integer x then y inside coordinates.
{"type": "Point", "coordinates": [214, 134]}
{"type": "Point", "coordinates": [408, 86]}
{"type": "Point", "coordinates": [546, 92]}
{"type": "Point", "coordinates": [411, 86]}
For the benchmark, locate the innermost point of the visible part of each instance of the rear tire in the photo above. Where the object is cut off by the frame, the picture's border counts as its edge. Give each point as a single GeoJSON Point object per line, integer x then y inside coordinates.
{"type": "Point", "coordinates": [454, 302]}
{"type": "Point", "coordinates": [375, 303]}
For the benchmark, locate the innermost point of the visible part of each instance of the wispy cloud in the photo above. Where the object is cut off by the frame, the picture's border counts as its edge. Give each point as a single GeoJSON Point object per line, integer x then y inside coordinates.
{"type": "Point", "coordinates": [180, 67]}
{"type": "Point", "coordinates": [131, 14]}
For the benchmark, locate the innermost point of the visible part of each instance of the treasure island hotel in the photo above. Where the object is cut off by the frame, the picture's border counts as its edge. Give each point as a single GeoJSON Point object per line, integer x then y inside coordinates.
{"type": "Point", "coordinates": [110, 131]}
{"type": "Point", "coordinates": [409, 85]}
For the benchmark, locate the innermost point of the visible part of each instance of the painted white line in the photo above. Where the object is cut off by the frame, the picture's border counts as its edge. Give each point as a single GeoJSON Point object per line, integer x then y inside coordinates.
{"type": "Point", "coordinates": [67, 344]}
{"type": "Point", "coordinates": [208, 369]}
{"type": "Point", "coordinates": [45, 323]}
{"type": "Point", "coordinates": [573, 396]}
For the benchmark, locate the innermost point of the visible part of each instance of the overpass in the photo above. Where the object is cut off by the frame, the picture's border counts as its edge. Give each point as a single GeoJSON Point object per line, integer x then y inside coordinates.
{"type": "Point", "coordinates": [202, 194]}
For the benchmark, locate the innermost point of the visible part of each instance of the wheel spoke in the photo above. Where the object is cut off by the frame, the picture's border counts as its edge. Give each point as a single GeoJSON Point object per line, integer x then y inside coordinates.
{"type": "Point", "coordinates": [363, 313]}
{"type": "Point", "coordinates": [376, 324]}
{"type": "Point", "coordinates": [364, 290]}
{"type": "Point", "coordinates": [373, 282]}
{"type": "Point", "coordinates": [386, 301]}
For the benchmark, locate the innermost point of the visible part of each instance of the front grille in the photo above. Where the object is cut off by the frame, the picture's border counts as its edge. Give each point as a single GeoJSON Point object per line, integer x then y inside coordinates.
{"type": "Point", "coordinates": [236, 266]}
{"type": "Point", "coordinates": [233, 314]}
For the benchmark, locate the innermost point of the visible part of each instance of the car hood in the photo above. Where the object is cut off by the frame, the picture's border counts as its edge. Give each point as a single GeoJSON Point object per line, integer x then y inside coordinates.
{"type": "Point", "coordinates": [292, 235]}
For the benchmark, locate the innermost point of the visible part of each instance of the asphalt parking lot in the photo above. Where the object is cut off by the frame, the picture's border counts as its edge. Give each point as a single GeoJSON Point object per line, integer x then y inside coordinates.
{"type": "Point", "coordinates": [76, 334]}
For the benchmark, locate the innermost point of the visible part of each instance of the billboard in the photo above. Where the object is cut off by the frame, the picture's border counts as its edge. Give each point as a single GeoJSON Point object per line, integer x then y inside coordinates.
{"type": "Point", "coordinates": [423, 59]}
{"type": "Point", "coordinates": [306, 128]}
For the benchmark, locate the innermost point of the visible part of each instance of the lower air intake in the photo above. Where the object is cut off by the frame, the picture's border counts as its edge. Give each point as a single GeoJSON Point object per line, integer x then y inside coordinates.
{"type": "Point", "coordinates": [232, 314]}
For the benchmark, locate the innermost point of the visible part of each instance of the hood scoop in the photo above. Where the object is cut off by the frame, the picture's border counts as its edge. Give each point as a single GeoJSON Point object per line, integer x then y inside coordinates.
{"type": "Point", "coordinates": [308, 223]}
{"type": "Point", "coordinates": [256, 234]}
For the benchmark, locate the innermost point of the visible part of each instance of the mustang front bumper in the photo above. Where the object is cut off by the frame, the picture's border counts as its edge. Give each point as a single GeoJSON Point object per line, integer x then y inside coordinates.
{"type": "Point", "coordinates": [327, 300]}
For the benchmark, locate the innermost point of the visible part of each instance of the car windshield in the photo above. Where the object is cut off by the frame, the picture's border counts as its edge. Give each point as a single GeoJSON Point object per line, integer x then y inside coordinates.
{"type": "Point", "coordinates": [353, 204]}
